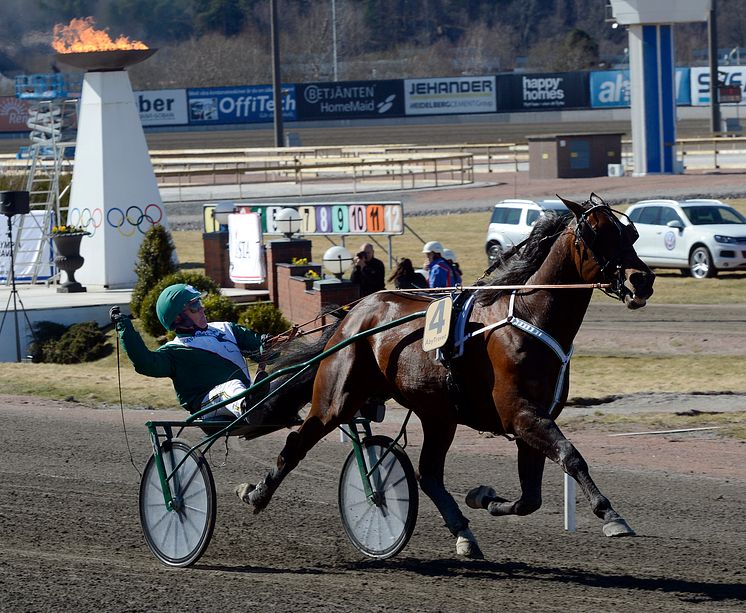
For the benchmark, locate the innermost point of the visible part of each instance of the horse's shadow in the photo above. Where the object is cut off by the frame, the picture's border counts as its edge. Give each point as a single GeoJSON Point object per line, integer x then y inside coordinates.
{"type": "Point", "coordinates": [691, 591]}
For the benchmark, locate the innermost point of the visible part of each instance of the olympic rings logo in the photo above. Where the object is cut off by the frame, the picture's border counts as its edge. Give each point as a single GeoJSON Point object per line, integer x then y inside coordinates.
{"type": "Point", "coordinates": [134, 219]}
{"type": "Point", "coordinates": [86, 218]}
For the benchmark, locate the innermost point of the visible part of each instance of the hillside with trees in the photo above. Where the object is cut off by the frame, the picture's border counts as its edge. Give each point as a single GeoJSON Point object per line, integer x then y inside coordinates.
{"type": "Point", "coordinates": [227, 42]}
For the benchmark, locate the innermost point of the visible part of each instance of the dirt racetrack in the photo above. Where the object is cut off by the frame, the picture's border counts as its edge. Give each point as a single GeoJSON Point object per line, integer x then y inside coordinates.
{"type": "Point", "coordinates": [71, 538]}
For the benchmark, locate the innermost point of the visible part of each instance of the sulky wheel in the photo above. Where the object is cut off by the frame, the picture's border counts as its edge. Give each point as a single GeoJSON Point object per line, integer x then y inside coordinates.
{"type": "Point", "coordinates": [379, 527]}
{"type": "Point", "coordinates": [180, 536]}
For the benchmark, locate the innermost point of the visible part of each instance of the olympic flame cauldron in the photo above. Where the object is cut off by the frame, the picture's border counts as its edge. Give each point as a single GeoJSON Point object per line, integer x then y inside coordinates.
{"type": "Point", "coordinates": [114, 193]}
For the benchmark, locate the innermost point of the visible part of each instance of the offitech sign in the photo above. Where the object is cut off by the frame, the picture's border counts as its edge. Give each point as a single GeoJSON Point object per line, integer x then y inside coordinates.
{"type": "Point", "coordinates": [450, 95]}
{"type": "Point", "coordinates": [250, 104]}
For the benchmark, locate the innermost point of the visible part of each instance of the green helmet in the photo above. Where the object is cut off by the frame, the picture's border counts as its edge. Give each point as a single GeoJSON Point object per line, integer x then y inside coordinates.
{"type": "Point", "coordinates": [172, 301]}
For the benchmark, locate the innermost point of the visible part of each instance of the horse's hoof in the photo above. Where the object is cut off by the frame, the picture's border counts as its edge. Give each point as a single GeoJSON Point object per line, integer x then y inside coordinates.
{"type": "Point", "coordinates": [243, 490]}
{"type": "Point", "coordinates": [466, 545]}
{"type": "Point", "coordinates": [258, 497]}
{"type": "Point", "coordinates": [618, 527]}
{"type": "Point", "coordinates": [476, 497]}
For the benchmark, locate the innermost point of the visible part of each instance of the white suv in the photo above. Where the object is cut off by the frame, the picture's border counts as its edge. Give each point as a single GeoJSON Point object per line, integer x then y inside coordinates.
{"type": "Point", "coordinates": [513, 220]}
{"type": "Point", "coordinates": [699, 237]}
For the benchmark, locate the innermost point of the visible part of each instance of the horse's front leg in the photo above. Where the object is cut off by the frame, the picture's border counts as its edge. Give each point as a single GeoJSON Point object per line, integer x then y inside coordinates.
{"type": "Point", "coordinates": [530, 473]}
{"type": "Point", "coordinates": [437, 438]}
{"type": "Point", "coordinates": [539, 437]}
{"type": "Point", "coordinates": [542, 434]}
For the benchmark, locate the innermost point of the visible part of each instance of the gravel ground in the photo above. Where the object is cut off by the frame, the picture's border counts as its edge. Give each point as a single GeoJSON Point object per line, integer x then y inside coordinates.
{"type": "Point", "coordinates": [71, 539]}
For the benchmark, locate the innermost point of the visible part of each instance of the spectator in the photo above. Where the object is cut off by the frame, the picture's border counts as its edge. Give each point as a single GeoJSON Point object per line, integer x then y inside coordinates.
{"type": "Point", "coordinates": [405, 276]}
{"type": "Point", "coordinates": [440, 272]}
{"type": "Point", "coordinates": [450, 257]}
{"type": "Point", "coordinates": [369, 272]}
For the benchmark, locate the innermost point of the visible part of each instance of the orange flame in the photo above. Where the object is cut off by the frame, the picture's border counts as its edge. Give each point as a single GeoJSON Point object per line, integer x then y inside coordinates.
{"type": "Point", "coordinates": [81, 37]}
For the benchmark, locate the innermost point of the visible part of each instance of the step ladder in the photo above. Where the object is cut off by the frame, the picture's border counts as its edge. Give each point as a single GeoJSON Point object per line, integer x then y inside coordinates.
{"type": "Point", "coordinates": [52, 124]}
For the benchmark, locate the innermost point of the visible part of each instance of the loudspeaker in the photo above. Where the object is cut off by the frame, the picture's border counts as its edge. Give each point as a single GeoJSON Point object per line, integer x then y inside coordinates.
{"type": "Point", "coordinates": [14, 203]}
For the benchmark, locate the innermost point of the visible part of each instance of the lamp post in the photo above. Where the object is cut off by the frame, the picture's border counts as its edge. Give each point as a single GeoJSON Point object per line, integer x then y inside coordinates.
{"type": "Point", "coordinates": [334, 38]}
{"type": "Point", "coordinates": [337, 260]}
{"type": "Point", "coordinates": [276, 80]}
{"type": "Point", "coordinates": [288, 221]}
{"type": "Point", "coordinates": [712, 31]}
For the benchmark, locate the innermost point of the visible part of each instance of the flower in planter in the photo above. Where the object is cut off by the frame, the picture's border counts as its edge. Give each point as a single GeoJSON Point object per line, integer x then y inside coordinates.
{"type": "Point", "coordinates": [56, 230]}
{"type": "Point", "coordinates": [61, 230]}
{"type": "Point", "coordinates": [312, 274]}
{"type": "Point", "coordinates": [299, 261]}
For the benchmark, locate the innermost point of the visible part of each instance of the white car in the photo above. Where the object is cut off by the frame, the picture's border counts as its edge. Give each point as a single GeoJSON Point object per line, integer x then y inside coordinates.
{"type": "Point", "coordinates": [513, 220]}
{"type": "Point", "coordinates": [699, 237]}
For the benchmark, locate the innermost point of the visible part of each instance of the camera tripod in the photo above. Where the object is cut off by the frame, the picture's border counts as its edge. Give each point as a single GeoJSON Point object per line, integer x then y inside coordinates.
{"type": "Point", "coordinates": [14, 295]}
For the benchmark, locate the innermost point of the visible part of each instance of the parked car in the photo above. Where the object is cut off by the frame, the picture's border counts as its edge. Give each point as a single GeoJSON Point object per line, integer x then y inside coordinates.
{"type": "Point", "coordinates": [699, 237]}
{"type": "Point", "coordinates": [512, 221]}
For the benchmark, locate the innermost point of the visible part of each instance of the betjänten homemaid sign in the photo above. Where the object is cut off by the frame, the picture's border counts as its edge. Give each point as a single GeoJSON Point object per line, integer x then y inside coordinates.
{"type": "Point", "coordinates": [324, 218]}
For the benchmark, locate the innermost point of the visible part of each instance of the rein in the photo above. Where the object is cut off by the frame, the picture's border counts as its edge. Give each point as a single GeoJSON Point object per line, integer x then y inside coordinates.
{"type": "Point", "coordinates": [601, 286]}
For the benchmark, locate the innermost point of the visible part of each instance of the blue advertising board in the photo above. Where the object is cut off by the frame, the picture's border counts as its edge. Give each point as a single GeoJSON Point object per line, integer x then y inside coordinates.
{"type": "Point", "coordinates": [247, 104]}
{"type": "Point", "coordinates": [610, 88]}
{"type": "Point", "coordinates": [350, 99]}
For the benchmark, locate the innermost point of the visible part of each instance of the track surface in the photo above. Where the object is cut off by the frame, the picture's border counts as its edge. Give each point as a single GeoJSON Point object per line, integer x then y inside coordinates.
{"type": "Point", "coordinates": [71, 538]}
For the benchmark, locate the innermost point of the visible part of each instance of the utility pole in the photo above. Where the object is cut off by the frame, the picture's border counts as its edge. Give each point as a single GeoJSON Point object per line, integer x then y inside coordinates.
{"type": "Point", "coordinates": [276, 79]}
{"type": "Point", "coordinates": [334, 38]}
{"type": "Point", "coordinates": [714, 82]}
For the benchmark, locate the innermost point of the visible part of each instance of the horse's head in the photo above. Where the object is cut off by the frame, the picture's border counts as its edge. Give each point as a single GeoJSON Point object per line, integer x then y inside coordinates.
{"type": "Point", "coordinates": [604, 251]}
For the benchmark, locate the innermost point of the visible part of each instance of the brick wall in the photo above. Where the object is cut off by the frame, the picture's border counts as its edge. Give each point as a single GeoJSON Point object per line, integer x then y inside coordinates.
{"type": "Point", "coordinates": [283, 252]}
{"type": "Point", "coordinates": [297, 298]}
{"type": "Point", "coordinates": [217, 264]}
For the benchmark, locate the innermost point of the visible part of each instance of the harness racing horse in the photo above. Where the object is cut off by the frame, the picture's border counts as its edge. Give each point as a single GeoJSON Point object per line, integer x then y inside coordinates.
{"type": "Point", "coordinates": [511, 381]}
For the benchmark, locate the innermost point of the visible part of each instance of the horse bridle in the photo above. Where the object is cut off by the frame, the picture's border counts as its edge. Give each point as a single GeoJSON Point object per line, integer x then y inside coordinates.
{"type": "Point", "coordinates": [611, 268]}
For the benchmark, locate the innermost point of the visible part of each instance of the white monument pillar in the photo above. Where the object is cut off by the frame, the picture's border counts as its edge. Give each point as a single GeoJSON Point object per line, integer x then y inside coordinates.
{"type": "Point", "coordinates": [652, 64]}
{"type": "Point", "coordinates": [114, 192]}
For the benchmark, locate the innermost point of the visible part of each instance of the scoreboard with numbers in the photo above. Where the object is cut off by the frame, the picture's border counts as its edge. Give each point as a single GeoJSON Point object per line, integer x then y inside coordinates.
{"type": "Point", "coordinates": [343, 218]}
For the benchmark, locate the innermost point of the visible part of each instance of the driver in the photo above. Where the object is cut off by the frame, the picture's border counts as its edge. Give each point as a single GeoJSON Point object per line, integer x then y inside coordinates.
{"type": "Point", "coordinates": [204, 361]}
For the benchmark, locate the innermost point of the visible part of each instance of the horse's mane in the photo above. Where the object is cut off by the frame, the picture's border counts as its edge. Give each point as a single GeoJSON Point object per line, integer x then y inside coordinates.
{"type": "Point", "coordinates": [516, 270]}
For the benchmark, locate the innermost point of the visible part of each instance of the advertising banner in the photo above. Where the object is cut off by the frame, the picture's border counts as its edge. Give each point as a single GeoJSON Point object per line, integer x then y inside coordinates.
{"type": "Point", "coordinates": [14, 114]}
{"type": "Point", "coordinates": [249, 104]}
{"type": "Point", "coordinates": [450, 95]}
{"type": "Point", "coordinates": [33, 235]}
{"type": "Point", "coordinates": [610, 88]}
{"type": "Point", "coordinates": [163, 107]}
{"type": "Point", "coordinates": [729, 76]}
{"type": "Point", "coordinates": [245, 248]}
{"type": "Point", "coordinates": [351, 100]}
{"type": "Point", "coordinates": [544, 91]}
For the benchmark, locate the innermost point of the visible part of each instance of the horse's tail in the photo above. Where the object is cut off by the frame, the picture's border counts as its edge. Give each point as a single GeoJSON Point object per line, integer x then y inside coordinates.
{"type": "Point", "coordinates": [283, 406]}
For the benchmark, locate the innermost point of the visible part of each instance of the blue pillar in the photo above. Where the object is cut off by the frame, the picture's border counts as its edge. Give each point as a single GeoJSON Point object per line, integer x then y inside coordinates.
{"type": "Point", "coordinates": [653, 95]}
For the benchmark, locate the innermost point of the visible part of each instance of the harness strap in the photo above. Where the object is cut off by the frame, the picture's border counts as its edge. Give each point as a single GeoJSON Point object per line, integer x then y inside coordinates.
{"type": "Point", "coordinates": [539, 334]}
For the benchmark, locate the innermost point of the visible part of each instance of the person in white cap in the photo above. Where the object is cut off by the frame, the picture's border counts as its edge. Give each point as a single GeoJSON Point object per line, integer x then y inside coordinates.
{"type": "Point", "coordinates": [440, 272]}
{"type": "Point", "coordinates": [450, 257]}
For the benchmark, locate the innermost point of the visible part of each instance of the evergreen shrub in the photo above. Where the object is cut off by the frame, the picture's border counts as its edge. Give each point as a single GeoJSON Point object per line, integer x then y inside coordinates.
{"type": "Point", "coordinates": [83, 342]}
{"type": "Point", "coordinates": [155, 260]}
{"type": "Point", "coordinates": [264, 318]}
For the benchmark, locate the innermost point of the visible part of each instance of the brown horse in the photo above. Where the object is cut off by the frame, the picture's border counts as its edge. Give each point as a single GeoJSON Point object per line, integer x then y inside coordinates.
{"type": "Point", "coordinates": [508, 380]}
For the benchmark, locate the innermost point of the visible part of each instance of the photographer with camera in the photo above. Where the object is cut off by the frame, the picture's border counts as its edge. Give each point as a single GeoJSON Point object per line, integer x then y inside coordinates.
{"type": "Point", "coordinates": [368, 272]}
